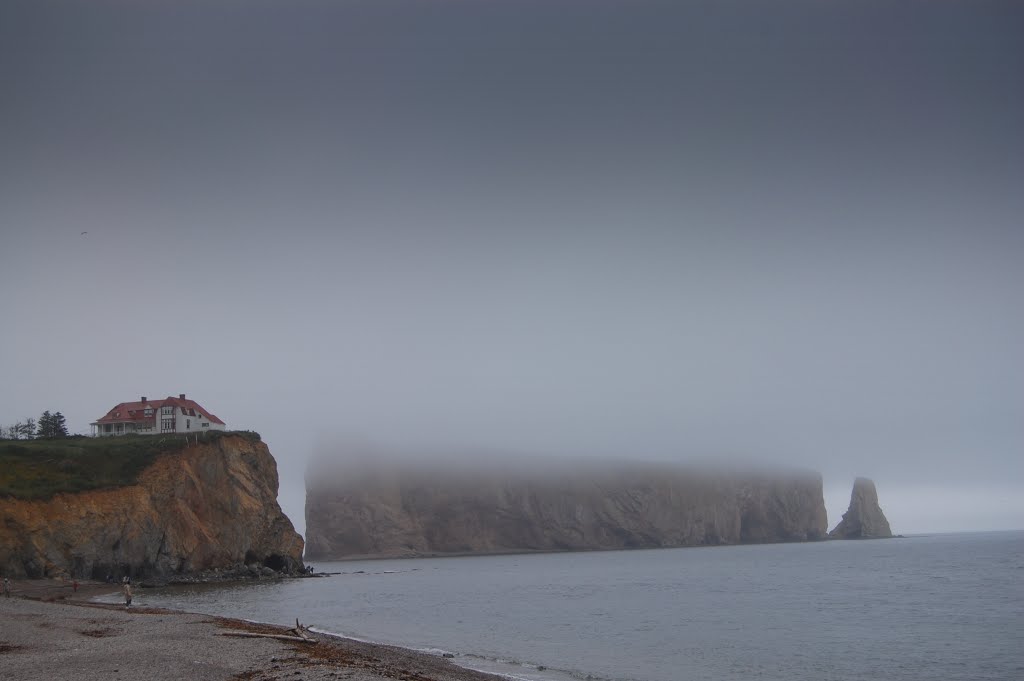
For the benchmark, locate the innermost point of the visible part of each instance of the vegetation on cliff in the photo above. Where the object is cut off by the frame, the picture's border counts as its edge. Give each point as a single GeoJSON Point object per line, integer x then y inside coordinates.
{"type": "Point", "coordinates": [201, 504]}
{"type": "Point", "coordinates": [48, 425]}
{"type": "Point", "coordinates": [39, 469]}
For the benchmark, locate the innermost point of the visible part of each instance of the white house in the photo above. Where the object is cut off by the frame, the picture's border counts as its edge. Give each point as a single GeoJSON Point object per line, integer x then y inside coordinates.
{"type": "Point", "coordinates": [157, 417]}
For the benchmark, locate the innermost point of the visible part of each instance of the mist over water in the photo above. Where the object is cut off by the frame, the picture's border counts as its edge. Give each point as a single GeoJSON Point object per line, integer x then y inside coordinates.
{"type": "Point", "coordinates": [783, 233]}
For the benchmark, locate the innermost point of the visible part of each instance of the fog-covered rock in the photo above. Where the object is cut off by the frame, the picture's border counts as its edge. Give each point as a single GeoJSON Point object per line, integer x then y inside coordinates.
{"type": "Point", "coordinates": [864, 519]}
{"type": "Point", "coordinates": [408, 510]}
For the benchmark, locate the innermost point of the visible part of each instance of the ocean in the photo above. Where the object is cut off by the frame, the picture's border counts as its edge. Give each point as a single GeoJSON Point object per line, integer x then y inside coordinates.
{"type": "Point", "coordinates": [923, 608]}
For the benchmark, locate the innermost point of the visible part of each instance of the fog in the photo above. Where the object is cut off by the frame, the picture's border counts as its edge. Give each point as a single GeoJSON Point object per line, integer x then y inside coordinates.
{"type": "Point", "coordinates": [788, 235]}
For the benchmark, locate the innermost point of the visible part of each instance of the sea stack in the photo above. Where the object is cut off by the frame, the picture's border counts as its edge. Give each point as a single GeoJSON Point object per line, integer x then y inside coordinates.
{"type": "Point", "coordinates": [864, 519]}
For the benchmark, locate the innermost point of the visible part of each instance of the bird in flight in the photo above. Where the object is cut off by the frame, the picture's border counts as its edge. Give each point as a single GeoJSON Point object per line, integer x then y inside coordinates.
{"type": "Point", "coordinates": [85, 232]}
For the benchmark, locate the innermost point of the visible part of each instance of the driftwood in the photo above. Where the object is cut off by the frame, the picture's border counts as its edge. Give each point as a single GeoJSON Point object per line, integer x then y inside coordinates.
{"type": "Point", "coordinates": [300, 634]}
{"type": "Point", "coordinates": [302, 631]}
{"type": "Point", "coordinates": [280, 637]}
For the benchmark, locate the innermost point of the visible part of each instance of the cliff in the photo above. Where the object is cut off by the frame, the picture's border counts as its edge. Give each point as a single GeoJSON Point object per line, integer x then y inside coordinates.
{"type": "Point", "coordinates": [211, 505]}
{"type": "Point", "coordinates": [404, 511]}
{"type": "Point", "coordinates": [864, 518]}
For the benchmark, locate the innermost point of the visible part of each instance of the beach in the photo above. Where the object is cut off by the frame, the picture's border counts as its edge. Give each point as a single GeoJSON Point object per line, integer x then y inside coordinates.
{"type": "Point", "coordinates": [48, 631]}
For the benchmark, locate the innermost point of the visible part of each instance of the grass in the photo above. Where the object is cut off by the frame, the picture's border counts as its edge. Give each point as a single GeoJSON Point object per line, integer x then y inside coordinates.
{"type": "Point", "coordinates": [39, 469]}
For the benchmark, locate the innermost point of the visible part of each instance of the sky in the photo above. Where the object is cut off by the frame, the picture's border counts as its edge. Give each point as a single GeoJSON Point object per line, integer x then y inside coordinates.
{"type": "Point", "coordinates": [786, 233]}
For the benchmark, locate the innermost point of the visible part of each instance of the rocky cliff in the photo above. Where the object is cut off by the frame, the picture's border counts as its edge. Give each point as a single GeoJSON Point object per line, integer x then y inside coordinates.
{"type": "Point", "coordinates": [402, 511]}
{"type": "Point", "coordinates": [864, 519]}
{"type": "Point", "coordinates": [211, 505]}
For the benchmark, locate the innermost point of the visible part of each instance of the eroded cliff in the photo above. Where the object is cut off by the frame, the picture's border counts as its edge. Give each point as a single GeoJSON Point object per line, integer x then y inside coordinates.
{"type": "Point", "coordinates": [864, 518]}
{"type": "Point", "coordinates": [211, 505]}
{"type": "Point", "coordinates": [401, 511]}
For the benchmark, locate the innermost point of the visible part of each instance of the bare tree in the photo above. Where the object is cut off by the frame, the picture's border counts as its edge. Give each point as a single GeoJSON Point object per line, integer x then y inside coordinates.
{"type": "Point", "coordinates": [20, 430]}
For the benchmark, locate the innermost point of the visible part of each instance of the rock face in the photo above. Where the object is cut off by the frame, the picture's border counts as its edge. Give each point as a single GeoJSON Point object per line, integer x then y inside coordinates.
{"type": "Point", "coordinates": [864, 519]}
{"type": "Point", "coordinates": [208, 506]}
{"type": "Point", "coordinates": [399, 511]}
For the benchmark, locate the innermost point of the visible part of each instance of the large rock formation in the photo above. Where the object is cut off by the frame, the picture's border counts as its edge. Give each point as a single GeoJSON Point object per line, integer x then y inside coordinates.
{"type": "Point", "coordinates": [208, 506]}
{"type": "Point", "coordinates": [362, 511]}
{"type": "Point", "coordinates": [864, 519]}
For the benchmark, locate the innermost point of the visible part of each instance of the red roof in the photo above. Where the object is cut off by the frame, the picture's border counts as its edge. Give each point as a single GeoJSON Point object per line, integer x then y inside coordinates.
{"type": "Point", "coordinates": [133, 412]}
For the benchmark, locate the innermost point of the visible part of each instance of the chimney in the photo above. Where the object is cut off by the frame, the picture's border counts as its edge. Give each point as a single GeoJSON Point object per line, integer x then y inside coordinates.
{"type": "Point", "coordinates": [143, 399]}
{"type": "Point", "coordinates": [181, 396]}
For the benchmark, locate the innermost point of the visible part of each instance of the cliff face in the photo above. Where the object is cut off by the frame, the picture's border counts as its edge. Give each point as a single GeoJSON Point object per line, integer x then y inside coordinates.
{"type": "Point", "coordinates": [406, 512]}
{"type": "Point", "coordinates": [864, 519]}
{"type": "Point", "coordinates": [207, 506]}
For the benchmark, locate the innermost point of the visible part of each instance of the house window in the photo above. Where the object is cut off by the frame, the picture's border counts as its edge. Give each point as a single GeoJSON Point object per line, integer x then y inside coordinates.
{"type": "Point", "coordinates": [206, 425]}
{"type": "Point", "coordinates": [166, 424]}
{"type": "Point", "coordinates": [149, 412]}
{"type": "Point", "coordinates": [166, 410]}
{"type": "Point", "coordinates": [107, 427]}
{"type": "Point", "coordinates": [188, 424]}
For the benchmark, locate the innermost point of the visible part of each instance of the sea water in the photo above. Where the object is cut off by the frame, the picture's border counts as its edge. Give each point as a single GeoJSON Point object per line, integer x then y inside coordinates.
{"type": "Point", "coordinates": [926, 608]}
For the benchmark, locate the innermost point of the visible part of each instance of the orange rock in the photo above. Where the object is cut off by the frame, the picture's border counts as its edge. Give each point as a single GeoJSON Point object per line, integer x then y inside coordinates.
{"type": "Point", "coordinates": [210, 505]}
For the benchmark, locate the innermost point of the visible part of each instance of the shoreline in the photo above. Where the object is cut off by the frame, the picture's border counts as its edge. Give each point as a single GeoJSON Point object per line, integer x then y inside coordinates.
{"type": "Point", "coordinates": [47, 631]}
{"type": "Point", "coordinates": [369, 557]}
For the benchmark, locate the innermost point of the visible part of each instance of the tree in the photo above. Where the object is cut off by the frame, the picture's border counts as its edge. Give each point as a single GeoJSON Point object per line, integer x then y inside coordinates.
{"type": "Point", "coordinates": [45, 424]}
{"type": "Point", "coordinates": [20, 430]}
{"type": "Point", "coordinates": [60, 428]}
{"type": "Point", "coordinates": [52, 425]}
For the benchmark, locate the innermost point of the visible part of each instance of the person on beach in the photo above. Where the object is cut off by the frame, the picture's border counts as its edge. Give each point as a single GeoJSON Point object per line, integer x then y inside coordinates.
{"type": "Point", "coordinates": [127, 588]}
{"type": "Point", "coordinates": [7, 588]}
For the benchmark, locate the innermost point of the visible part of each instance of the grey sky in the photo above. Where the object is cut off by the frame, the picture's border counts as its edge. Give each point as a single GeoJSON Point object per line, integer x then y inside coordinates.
{"type": "Point", "coordinates": [782, 231]}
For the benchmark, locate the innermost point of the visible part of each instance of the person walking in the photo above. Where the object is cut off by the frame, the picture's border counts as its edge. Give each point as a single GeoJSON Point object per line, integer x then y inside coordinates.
{"type": "Point", "coordinates": [7, 588]}
{"type": "Point", "coordinates": [127, 588]}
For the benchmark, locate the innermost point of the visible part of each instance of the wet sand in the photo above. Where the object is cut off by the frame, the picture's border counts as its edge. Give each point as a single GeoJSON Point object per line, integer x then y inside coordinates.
{"type": "Point", "coordinates": [49, 632]}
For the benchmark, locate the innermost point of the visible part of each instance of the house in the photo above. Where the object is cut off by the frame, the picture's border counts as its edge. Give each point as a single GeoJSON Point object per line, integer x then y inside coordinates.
{"type": "Point", "coordinates": [157, 417]}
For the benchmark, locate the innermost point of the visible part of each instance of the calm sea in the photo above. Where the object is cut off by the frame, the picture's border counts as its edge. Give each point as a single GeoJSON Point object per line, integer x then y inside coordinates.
{"type": "Point", "coordinates": [929, 608]}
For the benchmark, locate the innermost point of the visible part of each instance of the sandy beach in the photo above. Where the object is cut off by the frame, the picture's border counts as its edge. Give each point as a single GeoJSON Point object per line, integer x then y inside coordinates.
{"type": "Point", "coordinates": [47, 631]}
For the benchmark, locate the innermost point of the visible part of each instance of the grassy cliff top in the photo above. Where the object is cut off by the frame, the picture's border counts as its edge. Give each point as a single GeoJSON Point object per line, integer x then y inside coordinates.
{"type": "Point", "coordinates": [38, 469]}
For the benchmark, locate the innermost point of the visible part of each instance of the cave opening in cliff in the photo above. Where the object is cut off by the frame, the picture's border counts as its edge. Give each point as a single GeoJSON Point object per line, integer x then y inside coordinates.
{"type": "Point", "coordinates": [276, 562]}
